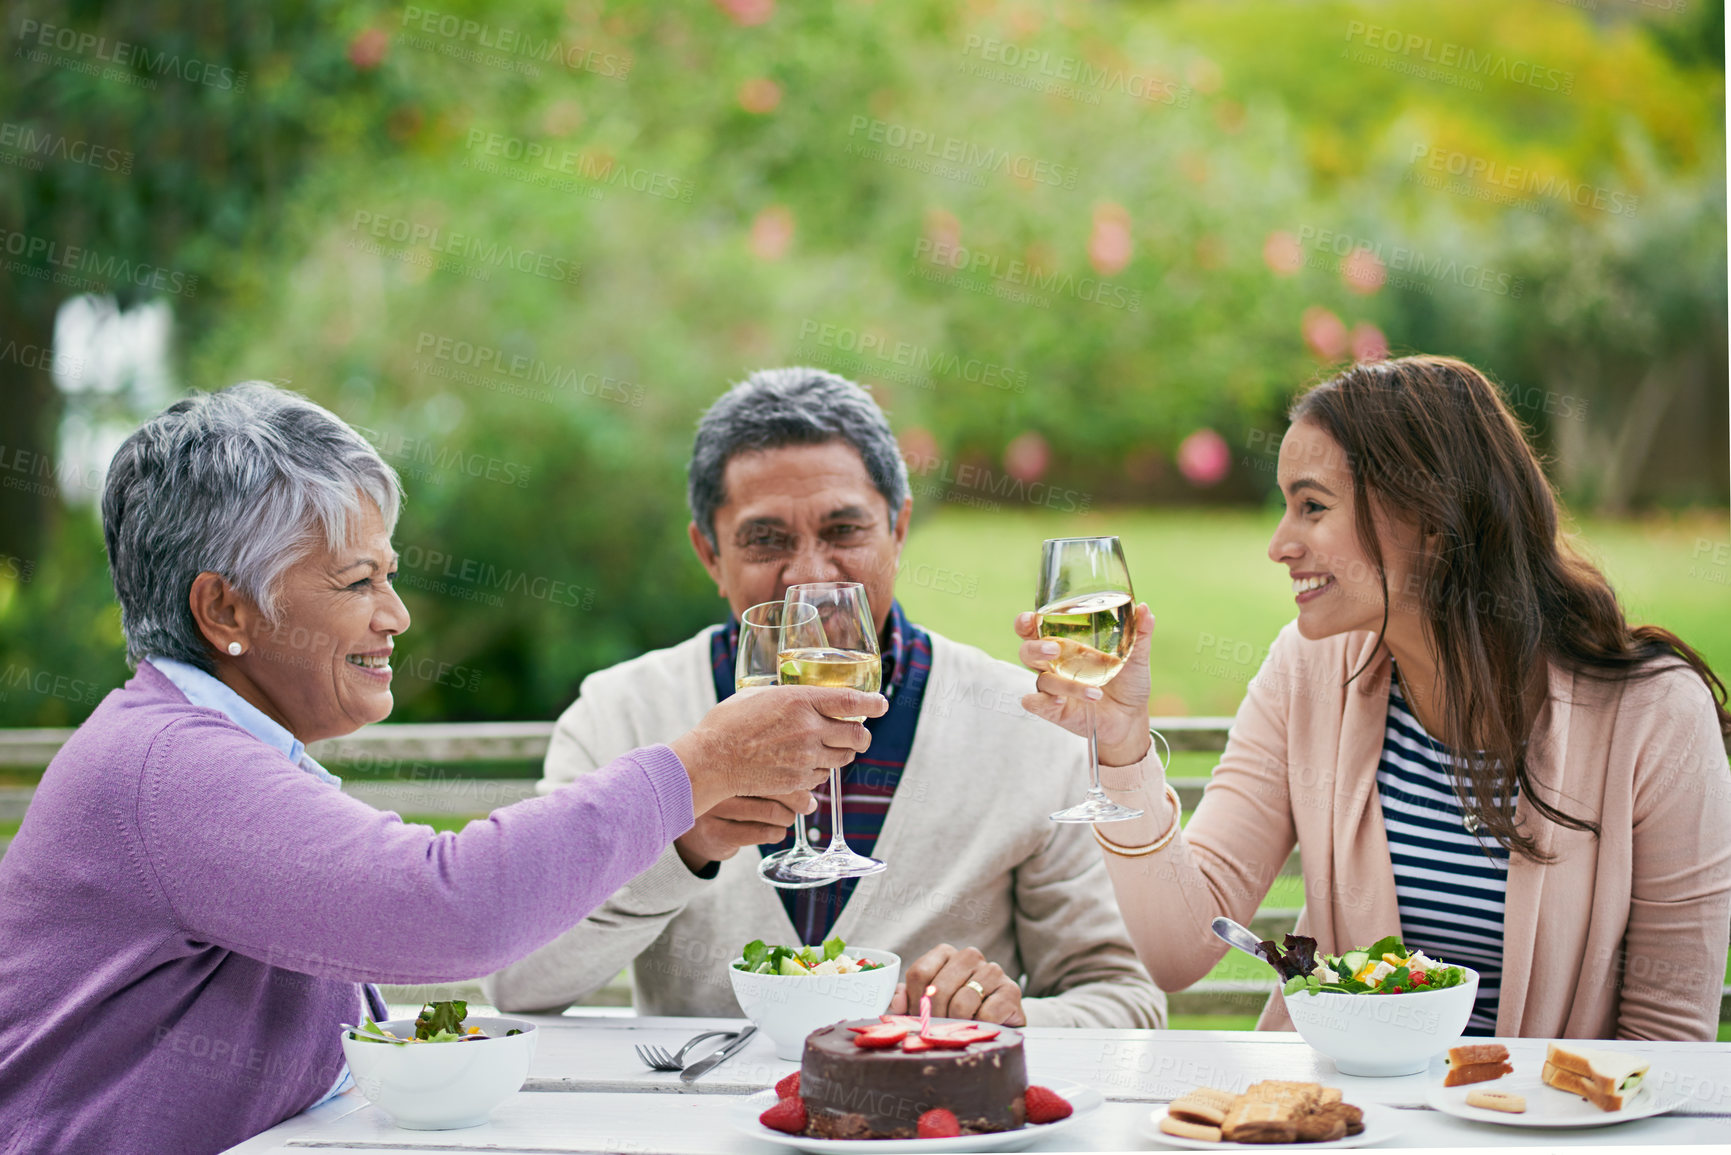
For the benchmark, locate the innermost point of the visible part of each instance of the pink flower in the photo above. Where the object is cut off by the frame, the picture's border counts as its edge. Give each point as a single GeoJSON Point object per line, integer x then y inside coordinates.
{"type": "Point", "coordinates": [1363, 272]}
{"type": "Point", "coordinates": [1203, 457]}
{"type": "Point", "coordinates": [367, 49]}
{"type": "Point", "coordinates": [1109, 245]}
{"type": "Point", "coordinates": [1282, 254]}
{"type": "Point", "coordinates": [1027, 457]}
{"type": "Point", "coordinates": [1368, 343]}
{"type": "Point", "coordinates": [1324, 332]}
{"type": "Point", "coordinates": [772, 233]}
{"type": "Point", "coordinates": [747, 12]}
{"type": "Point", "coordinates": [760, 95]}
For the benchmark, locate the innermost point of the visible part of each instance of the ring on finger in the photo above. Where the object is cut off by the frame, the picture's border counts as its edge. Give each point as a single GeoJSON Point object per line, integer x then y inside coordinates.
{"type": "Point", "coordinates": [974, 985]}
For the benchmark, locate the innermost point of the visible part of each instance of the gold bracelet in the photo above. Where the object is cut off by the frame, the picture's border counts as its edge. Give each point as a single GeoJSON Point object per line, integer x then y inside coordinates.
{"type": "Point", "coordinates": [1157, 844]}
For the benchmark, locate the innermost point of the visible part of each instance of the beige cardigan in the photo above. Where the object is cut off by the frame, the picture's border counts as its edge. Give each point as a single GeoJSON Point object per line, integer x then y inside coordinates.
{"type": "Point", "coordinates": [1623, 936]}
{"type": "Point", "coordinates": [973, 858]}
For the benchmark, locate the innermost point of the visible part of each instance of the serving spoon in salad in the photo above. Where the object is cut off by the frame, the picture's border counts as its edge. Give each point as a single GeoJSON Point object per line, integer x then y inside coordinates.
{"type": "Point", "coordinates": [1236, 934]}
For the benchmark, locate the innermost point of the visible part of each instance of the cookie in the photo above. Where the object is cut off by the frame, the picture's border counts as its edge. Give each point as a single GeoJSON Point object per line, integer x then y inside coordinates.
{"type": "Point", "coordinates": [1498, 1101]}
{"type": "Point", "coordinates": [1303, 1097]}
{"type": "Point", "coordinates": [1187, 1130]}
{"type": "Point", "coordinates": [1221, 1099]}
{"type": "Point", "coordinates": [1320, 1126]}
{"type": "Point", "coordinates": [1277, 1088]}
{"type": "Point", "coordinates": [1260, 1121]}
{"type": "Point", "coordinates": [1194, 1107]}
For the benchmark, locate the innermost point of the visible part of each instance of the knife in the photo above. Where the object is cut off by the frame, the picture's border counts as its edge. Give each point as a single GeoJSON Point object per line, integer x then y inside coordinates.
{"type": "Point", "coordinates": [717, 1058]}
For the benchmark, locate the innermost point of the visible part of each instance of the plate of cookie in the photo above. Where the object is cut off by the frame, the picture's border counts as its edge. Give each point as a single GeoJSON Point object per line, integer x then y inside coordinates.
{"type": "Point", "coordinates": [1574, 1086]}
{"type": "Point", "coordinates": [1272, 1115]}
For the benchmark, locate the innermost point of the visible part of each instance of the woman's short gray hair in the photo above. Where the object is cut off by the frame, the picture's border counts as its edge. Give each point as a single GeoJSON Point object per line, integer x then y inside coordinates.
{"type": "Point", "coordinates": [240, 483]}
{"type": "Point", "coordinates": [773, 408]}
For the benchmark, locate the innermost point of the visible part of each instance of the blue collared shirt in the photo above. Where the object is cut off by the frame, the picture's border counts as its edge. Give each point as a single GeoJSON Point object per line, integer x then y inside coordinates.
{"type": "Point", "coordinates": [212, 693]}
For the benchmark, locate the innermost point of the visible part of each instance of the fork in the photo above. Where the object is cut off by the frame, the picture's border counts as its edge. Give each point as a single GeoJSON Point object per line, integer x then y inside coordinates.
{"type": "Point", "coordinates": [657, 1058]}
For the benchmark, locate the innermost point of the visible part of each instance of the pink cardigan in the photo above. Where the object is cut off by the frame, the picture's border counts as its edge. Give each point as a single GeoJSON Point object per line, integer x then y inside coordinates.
{"type": "Point", "coordinates": [1623, 936]}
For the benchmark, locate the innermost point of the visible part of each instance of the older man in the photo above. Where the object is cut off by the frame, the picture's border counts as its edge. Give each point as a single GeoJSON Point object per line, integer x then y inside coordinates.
{"type": "Point", "coordinates": [795, 477]}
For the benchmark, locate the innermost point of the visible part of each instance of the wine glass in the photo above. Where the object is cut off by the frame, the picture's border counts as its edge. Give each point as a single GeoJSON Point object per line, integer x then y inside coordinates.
{"type": "Point", "coordinates": [1088, 608]}
{"type": "Point", "coordinates": [762, 630]}
{"type": "Point", "coordinates": [840, 649]}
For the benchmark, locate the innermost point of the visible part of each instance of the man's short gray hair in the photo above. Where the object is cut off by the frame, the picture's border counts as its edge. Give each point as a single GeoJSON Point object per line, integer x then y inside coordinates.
{"type": "Point", "coordinates": [774, 408]}
{"type": "Point", "coordinates": [240, 483]}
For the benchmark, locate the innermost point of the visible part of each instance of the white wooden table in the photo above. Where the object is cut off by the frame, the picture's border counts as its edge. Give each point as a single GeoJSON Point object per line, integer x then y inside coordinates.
{"type": "Point", "coordinates": [588, 1092]}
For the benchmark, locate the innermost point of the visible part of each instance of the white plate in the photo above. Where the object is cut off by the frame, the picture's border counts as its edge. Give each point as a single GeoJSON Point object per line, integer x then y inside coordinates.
{"type": "Point", "coordinates": [1546, 1106]}
{"type": "Point", "coordinates": [1380, 1125]}
{"type": "Point", "coordinates": [1085, 1100]}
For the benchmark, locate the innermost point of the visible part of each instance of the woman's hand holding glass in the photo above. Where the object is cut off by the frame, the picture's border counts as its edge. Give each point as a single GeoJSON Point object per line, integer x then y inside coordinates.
{"type": "Point", "coordinates": [771, 742]}
{"type": "Point", "coordinates": [1119, 714]}
{"type": "Point", "coordinates": [1120, 706]}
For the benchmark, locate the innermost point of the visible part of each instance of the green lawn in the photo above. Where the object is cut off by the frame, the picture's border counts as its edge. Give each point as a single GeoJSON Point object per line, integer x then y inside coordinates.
{"type": "Point", "coordinates": [1218, 601]}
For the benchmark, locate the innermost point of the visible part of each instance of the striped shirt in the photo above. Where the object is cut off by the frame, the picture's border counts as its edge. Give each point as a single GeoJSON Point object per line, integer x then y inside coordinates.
{"type": "Point", "coordinates": [1449, 882]}
{"type": "Point", "coordinates": [868, 782]}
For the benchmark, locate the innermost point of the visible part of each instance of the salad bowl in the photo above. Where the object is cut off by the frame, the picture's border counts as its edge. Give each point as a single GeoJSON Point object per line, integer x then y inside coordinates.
{"type": "Point", "coordinates": [788, 1007]}
{"type": "Point", "coordinates": [445, 1085]}
{"type": "Point", "coordinates": [1384, 1034]}
{"type": "Point", "coordinates": [1382, 1010]}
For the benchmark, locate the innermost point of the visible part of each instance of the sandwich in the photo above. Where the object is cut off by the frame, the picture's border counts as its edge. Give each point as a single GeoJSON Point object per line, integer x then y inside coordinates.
{"type": "Point", "coordinates": [1606, 1079]}
{"type": "Point", "coordinates": [1476, 1064]}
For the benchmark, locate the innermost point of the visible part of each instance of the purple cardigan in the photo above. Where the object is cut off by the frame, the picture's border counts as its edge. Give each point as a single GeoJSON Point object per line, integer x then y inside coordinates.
{"type": "Point", "coordinates": [185, 916]}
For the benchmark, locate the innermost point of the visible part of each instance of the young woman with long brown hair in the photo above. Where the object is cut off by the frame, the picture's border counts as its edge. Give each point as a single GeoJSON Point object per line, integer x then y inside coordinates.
{"type": "Point", "coordinates": [1468, 741]}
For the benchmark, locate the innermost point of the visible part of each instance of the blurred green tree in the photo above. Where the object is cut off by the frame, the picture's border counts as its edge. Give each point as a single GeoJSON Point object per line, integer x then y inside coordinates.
{"type": "Point", "coordinates": [149, 146]}
{"type": "Point", "coordinates": [529, 241]}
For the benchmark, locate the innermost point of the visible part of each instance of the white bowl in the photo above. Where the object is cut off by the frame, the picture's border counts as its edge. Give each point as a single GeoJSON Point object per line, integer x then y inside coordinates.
{"type": "Point", "coordinates": [787, 1008]}
{"type": "Point", "coordinates": [1384, 1034]}
{"type": "Point", "coordinates": [439, 1086]}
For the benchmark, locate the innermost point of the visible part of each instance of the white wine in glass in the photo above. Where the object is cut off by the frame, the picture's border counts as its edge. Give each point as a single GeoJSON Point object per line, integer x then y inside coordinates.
{"type": "Point", "coordinates": [1088, 607]}
{"type": "Point", "coordinates": [1094, 633]}
{"type": "Point", "coordinates": [841, 650]}
{"type": "Point", "coordinates": [763, 631]}
{"type": "Point", "coordinates": [824, 666]}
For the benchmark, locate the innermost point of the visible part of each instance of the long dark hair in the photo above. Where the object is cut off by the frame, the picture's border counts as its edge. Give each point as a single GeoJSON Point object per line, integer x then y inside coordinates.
{"type": "Point", "coordinates": [1499, 591]}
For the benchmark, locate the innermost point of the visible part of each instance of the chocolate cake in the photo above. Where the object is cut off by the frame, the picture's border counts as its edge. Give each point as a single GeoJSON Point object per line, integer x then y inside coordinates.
{"type": "Point", "coordinates": [879, 1092]}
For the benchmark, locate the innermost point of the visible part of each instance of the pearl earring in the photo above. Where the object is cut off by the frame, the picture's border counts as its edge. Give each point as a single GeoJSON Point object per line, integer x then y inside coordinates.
{"type": "Point", "coordinates": [234, 648]}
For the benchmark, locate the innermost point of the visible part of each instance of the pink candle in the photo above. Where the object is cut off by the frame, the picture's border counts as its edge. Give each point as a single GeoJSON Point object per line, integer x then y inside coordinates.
{"type": "Point", "coordinates": [926, 1008]}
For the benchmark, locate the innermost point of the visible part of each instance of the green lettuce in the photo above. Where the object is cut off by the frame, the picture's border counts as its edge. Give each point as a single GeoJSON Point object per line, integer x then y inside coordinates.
{"type": "Point", "coordinates": [760, 958]}
{"type": "Point", "coordinates": [1397, 982]}
{"type": "Point", "coordinates": [441, 1022]}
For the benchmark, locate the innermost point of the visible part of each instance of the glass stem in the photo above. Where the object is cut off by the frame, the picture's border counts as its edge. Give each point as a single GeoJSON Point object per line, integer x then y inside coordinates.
{"type": "Point", "coordinates": [837, 843]}
{"type": "Point", "coordinates": [1095, 793]}
{"type": "Point", "coordinates": [801, 848]}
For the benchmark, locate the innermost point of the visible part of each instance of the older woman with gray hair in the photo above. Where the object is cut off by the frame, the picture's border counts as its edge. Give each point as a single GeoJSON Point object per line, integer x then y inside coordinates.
{"type": "Point", "coordinates": [191, 907]}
